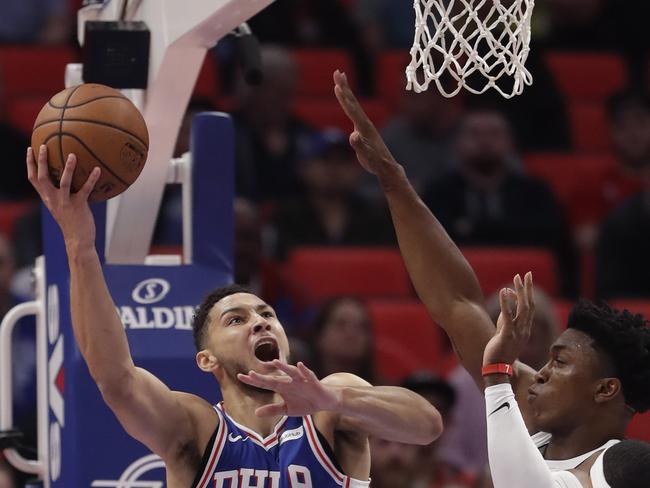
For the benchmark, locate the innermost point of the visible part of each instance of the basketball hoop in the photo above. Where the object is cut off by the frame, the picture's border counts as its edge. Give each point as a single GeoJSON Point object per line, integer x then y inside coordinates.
{"type": "Point", "coordinates": [478, 44]}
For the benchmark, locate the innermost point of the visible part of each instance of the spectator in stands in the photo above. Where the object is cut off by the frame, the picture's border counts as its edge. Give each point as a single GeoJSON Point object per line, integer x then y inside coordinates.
{"type": "Point", "coordinates": [395, 465]}
{"type": "Point", "coordinates": [432, 470]}
{"type": "Point", "coordinates": [538, 117]}
{"type": "Point", "coordinates": [419, 136]}
{"type": "Point", "coordinates": [622, 258]}
{"type": "Point", "coordinates": [315, 24]}
{"type": "Point", "coordinates": [13, 184]}
{"type": "Point", "coordinates": [460, 445]}
{"type": "Point", "coordinates": [574, 24]}
{"type": "Point", "coordinates": [486, 201]}
{"type": "Point", "coordinates": [386, 24]}
{"type": "Point", "coordinates": [328, 211]}
{"type": "Point", "coordinates": [267, 135]}
{"type": "Point", "coordinates": [248, 246]}
{"type": "Point", "coordinates": [41, 21]}
{"type": "Point", "coordinates": [629, 121]}
{"type": "Point", "coordinates": [628, 115]}
{"type": "Point", "coordinates": [342, 339]}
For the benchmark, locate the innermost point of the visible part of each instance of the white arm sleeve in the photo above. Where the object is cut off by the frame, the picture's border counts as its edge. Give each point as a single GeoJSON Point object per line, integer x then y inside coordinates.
{"type": "Point", "coordinates": [514, 459]}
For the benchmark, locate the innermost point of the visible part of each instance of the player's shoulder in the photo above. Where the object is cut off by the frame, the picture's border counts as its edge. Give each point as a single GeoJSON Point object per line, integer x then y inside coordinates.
{"type": "Point", "coordinates": [201, 411]}
{"type": "Point", "coordinates": [344, 379]}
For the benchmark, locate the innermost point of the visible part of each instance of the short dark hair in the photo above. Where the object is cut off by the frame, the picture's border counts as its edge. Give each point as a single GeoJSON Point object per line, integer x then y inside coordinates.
{"type": "Point", "coordinates": [627, 464]}
{"type": "Point", "coordinates": [200, 319]}
{"type": "Point", "coordinates": [625, 339]}
{"type": "Point", "coordinates": [423, 382]}
{"type": "Point", "coordinates": [623, 101]}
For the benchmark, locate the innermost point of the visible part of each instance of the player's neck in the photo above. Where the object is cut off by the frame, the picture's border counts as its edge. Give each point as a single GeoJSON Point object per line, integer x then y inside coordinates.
{"type": "Point", "coordinates": [580, 440]}
{"type": "Point", "coordinates": [240, 404]}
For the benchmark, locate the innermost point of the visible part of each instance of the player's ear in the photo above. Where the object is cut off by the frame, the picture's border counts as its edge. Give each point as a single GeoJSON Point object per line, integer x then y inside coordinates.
{"type": "Point", "coordinates": [206, 361]}
{"type": "Point", "coordinates": [607, 389]}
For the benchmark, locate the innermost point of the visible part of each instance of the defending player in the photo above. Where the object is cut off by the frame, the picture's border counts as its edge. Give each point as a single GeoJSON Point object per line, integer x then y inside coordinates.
{"type": "Point", "coordinates": [278, 427]}
{"type": "Point", "coordinates": [598, 371]}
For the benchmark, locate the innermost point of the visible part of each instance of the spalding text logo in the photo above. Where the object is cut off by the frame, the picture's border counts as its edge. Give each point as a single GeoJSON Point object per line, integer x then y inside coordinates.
{"type": "Point", "coordinates": [150, 291]}
{"type": "Point", "coordinates": [133, 475]}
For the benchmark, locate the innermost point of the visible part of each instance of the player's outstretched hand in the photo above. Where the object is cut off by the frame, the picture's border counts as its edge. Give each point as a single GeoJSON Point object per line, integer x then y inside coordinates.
{"type": "Point", "coordinates": [71, 211]}
{"type": "Point", "coordinates": [371, 151]}
{"type": "Point", "coordinates": [301, 391]}
{"type": "Point", "coordinates": [514, 323]}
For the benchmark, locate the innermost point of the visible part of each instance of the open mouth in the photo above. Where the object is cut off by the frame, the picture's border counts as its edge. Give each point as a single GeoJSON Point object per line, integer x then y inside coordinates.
{"type": "Point", "coordinates": [267, 350]}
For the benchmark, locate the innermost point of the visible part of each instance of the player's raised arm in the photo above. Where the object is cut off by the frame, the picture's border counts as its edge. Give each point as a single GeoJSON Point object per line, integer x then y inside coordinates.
{"type": "Point", "coordinates": [349, 404]}
{"type": "Point", "coordinates": [443, 279]}
{"type": "Point", "coordinates": [147, 409]}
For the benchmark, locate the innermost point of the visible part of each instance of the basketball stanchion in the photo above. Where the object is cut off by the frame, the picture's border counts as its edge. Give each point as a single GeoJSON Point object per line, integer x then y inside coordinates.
{"type": "Point", "coordinates": [82, 444]}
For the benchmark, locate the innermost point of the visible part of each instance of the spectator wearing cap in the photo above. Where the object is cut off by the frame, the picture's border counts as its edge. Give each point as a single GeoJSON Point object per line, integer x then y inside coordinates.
{"type": "Point", "coordinates": [328, 211]}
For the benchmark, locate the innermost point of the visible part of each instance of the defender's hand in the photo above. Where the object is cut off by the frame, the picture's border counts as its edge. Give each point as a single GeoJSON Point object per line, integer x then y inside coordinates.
{"type": "Point", "coordinates": [301, 391]}
{"type": "Point", "coordinates": [371, 151]}
{"type": "Point", "coordinates": [71, 211]}
{"type": "Point", "coordinates": [513, 329]}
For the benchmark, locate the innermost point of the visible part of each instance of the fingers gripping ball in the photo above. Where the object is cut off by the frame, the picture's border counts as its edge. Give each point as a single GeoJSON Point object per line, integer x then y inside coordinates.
{"type": "Point", "coordinates": [102, 128]}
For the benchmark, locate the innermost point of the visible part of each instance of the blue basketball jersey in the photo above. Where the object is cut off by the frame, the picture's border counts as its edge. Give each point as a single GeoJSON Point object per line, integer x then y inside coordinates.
{"type": "Point", "coordinates": [294, 456]}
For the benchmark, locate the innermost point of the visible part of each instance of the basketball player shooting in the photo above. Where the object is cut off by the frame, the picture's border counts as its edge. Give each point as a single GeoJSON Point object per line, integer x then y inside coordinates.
{"type": "Point", "coordinates": [279, 426]}
{"type": "Point", "coordinates": [598, 372]}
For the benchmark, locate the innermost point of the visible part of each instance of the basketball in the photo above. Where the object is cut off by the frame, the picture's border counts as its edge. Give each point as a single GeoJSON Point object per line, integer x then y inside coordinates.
{"type": "Point", "coordinates": [102, 128]}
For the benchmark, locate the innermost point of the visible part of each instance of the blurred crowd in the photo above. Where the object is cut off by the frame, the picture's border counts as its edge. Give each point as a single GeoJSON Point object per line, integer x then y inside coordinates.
{"type": "Point", "coordinates": [300, 185]}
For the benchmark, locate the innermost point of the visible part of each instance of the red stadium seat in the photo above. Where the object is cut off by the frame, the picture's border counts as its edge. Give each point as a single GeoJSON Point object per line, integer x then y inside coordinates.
{"type": "Point", "coordinates": [207, 83]}
{"type": "Point", "coordinates": [22, 111]}
{"type": "Point", "coordinates": [33, 71]}
{"type": "Point", "coordinates": [639, 428]}
{"type": "Point", "coordinates": [316, 67]}
{"type": "Point", "coordinates": [577, 180]}
{"type": "Point", "coordinates": [391, 78]}
{"type": "Point", "coordinates": [406, 339]}
{"type": "Point", "coordinates": [587, 76]}
{"type": "Point", "coordinates": [322, 114]}
{"type": "Point", "coordinates": [496, 267]}
{"type": "Point", "coordinates": [10, 212]}
{"type": "Point", "coordinates": [589, 129]}
{"type": "Point", "coordinates": [321, 273]}
{"type": "Point", "coordinates": [562, 310]}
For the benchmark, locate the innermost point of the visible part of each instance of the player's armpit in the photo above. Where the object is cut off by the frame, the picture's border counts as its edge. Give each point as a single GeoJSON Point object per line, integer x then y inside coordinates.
{"type": "Point", "coordinates": [163, 420]}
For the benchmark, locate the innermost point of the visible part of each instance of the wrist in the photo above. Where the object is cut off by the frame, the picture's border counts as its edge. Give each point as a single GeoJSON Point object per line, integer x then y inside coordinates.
{"type": "Point", "coordinates": [496, 379]}
{"type": "Point", "coordinates": [79, 251]}
{"type": "Point", "coordinates": [391, 176]}
{"type": "Point", "coordinates": [338, 399]}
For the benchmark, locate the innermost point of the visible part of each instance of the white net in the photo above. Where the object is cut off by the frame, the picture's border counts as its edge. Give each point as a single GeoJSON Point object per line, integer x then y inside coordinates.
{"type": "Point", "coordinates": [471, 44]}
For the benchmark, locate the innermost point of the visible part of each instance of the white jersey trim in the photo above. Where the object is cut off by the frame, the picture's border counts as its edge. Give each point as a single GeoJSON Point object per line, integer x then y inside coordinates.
{"type": "Point", "coordinates": [542, 439]}
{"type": "Point", "coordinates": [265, 443]}
{"type": "Point", "coordinates": [215, 454]}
